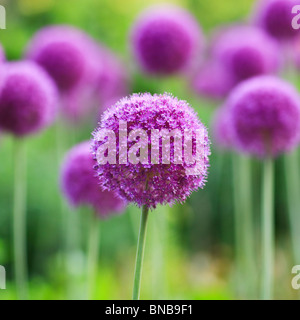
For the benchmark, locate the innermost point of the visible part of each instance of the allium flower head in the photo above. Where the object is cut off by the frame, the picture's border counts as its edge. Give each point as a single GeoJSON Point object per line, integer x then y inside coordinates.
{"type": "Point", "coordinates": [153, 182]}
{"type": "Point", "coordinates": [221, 128]}
{"type": "Point", "coordinates": [63, 52]}
{"type": "Point", "coordinates": [275, 17]}
{"type": "Point", "coordinates": [80, 185]}
{"type": "Point", "coordinates": [265, 116]}
{"type": "Point", "coordinates": [28, 98]}
{"type": "Point", "coordinates": [213, 81]}
{"type": "Point", "coordinates": [165, 40]}
{"type": "Point", "coordinates": [246, 52]}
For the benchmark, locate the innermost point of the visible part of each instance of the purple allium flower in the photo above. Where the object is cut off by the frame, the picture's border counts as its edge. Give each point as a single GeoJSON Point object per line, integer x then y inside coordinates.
{"type": "Point", "coordinates": [80, 185]}
{"type": "Point", "coordinates": [275, 17]}
{"type": "Point", "coordinates": [265, 116]}
{"type": "Point", "coordinates": [148, 183]}
{"type": "Point", "coordinates": [246, 52]}
{"type": "Point", "coordinates": [28, 98]}
{"type": "Point", "coordinates": [166, 40]}
{"type": "Point", "coordinates": [213, 81]}
{"type": "Point", "coordinates": [221, 128]}
{"type": "Point", "coordinates": [64, 52]}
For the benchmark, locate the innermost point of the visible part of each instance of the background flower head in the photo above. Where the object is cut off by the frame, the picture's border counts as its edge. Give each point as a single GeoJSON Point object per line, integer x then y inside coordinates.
{"type": "Point", "coordinates": [166, 39]}
{"type": "Point", "coordinates": [265, 116]}
{"type": "Point", "coordinates": [28, 98]}
{"type": "Point", "coordinates": [81, 186]}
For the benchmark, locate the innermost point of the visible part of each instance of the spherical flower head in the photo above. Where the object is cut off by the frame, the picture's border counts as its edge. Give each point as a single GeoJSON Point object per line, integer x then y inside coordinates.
{"type": "Point", "coordinates": [63, 52]}
{"type": "Point", "coordinates": [28, 99]}
{"type": "Point", "coordinates": [80, 185]}
{"type": "Point", "coordinates": [165, 40]}
{"type": "Point", "coordinates": [213, 81]}
{"type": "Point", "coordinates": [275, 17]}
{"type": "Point", "coordinates": [152, 179]}
{"type": "Point", "coordinates": [221, 129]}
{"type": "Point", "coordinates": [246, 52]}
{"type": "Point", "coordinates": [265, 116]}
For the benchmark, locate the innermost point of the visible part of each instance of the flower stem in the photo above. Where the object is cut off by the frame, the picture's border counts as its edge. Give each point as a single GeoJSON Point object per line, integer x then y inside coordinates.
{"type": "Point", "coordinates": [268, 232]}
{"type": "Point", "coordinates": [93, 253]}
{"type": "Point", "coordinates": [292, 174]}
{"type": "Point", "coordinates": [19, 223]}
{"type": "Point", "coordinates": [140, 254]}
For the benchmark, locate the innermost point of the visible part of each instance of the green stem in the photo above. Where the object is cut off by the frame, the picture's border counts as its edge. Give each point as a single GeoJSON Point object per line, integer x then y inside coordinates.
{"type": "Point", "coordinates": [292, 174]}
{"type": "Point", "coordinates": [268, 230]}
{"type": "Point", "coordinates": [140, 254]}
{"type": "Point", "coordinates": [19, 223]}
{"type": "Point", "coordinates": [247, 224]}
{"type": "Point", "coordinates": [93, 254]}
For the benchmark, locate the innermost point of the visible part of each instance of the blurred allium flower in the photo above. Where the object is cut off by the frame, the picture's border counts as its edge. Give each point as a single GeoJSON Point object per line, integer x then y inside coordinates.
{"type": "Point", "coordinates": [265, 116]}
{"type": "Point", "coordinates": [246, 52]}
{"type": "Point", "coordinates": [28, 98]}
{"type": "Point", "coordinates": [166, 40]}
{"type": "Point", "coordinates": [150, 184]}
{"type": "Point", "coordinates": [64, 52]}
{"type": "Point", "coordinates": [221, 128]}
{"type": "Point", "coordinates": [275, 16]}
{"type": "Point", "coordinates": [86, 73]}
{"type": "Point", "coordinates": [81, 186]}
{"type": "Point", "coordinates": [213, 81]}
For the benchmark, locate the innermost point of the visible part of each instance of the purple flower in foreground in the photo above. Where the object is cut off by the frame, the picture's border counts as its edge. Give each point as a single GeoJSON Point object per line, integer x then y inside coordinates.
{"type": "Point", "coordinates": [221, 129]}
{"type": "Point", "coordinates": [166, 40]}
{"type": "Point", "coordinates": [275, 16]}
{"type": "Point", "coordinates": [28, 98]}
{"type": "Point", "coordinates": [265, 116]}
{"type": "Point", "coordinates": [246, 52]}
{"type": "Point", "coordinates": [64, 52]}
{"type": "Point", "coordinates": [81, 186]}
{"type": "Point", "coordinates": [146, 183]}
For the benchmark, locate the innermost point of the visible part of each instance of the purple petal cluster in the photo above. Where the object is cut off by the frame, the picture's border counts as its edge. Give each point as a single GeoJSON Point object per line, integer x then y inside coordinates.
{"type": "Point", "coordinates": [166, 40]}
{"type": "Point", "coordinates": [151, 184]}
{"type": "Point", "coordinates": [275, 17]}
{"type": "Point", "coordinates": [265, 116]}
{"type": "Point", "coordinates": [28, 99]}
{"type": "Point", "coordinates": [80, 185]}
{"type": "Point", "coordinates": [63, 52]}
{"type": "Point", "coordinates": [246, 52]}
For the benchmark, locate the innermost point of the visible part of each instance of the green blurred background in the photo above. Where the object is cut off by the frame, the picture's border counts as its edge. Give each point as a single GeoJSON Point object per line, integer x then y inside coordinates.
{"type": "Point", "coordinates": [189, 251]}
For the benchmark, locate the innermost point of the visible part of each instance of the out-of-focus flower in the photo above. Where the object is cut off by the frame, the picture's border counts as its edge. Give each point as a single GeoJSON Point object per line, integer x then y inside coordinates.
{"type": "Point", "coordinates": [265, 116]}
{"type": "Point", "coordinates": [147, 183]}
{"type": "Point", "coordinates": [246, 52]}
{"type": "Point", "coordinates": [28, 98]}
{"type": "Point", "coordinates": [63, 52]}
{"type": "Point", "coordinates": [275, 17]}
{"type": "Point", "coordinates": [166, 40]}
{"type": "Point", "coordinates": [80, 185]}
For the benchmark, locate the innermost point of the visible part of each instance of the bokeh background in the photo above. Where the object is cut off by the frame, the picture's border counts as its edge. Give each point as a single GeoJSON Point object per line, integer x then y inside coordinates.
{"type": "Point", "coordinates": [190, 247]}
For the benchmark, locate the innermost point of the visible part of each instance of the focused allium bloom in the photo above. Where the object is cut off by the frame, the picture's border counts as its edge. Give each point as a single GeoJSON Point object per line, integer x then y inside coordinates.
{"type": "Point", "coordinates": [28, 98]}
{"type": "Point", "coordinates": [166, 40]}
{"type": "Point", "coordinates": [64, 52]}
{"type": "Point", "coordinates": [213, 81]}
{"type": "Point", "coordinates": [152, 181]}
{"type": "Point", "coordinates": [275, 17]}
{"type": "Point", "coordinates": [246, 52]}
{"type": "Point", "coordinates": [221, 129]}
{"type": "Point", "coordinates": [265, 116]}
{"type": "Point", "coordinates": [80, 185]}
